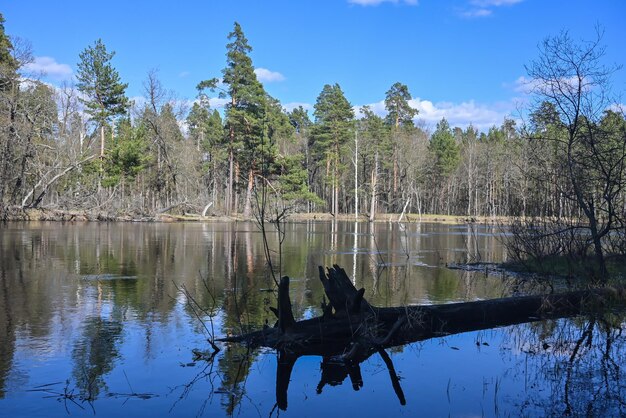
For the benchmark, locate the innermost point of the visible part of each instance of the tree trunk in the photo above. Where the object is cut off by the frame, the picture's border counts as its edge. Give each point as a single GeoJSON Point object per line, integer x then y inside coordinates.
{"type": "Point", "coordinates": [348, 319]}
{"type": "Point", "coordinates": [373, 187]}
{"type": "Point", "coordinates": [229, 186]}
{"type": "Point", "coordinates": [356, 176]}
{"type": "Point", "coordinates": [102, 142]}
{"type": "Point", "coordinates": [247, 211]}
{"type": "Point", "coordinates": [235, 205]}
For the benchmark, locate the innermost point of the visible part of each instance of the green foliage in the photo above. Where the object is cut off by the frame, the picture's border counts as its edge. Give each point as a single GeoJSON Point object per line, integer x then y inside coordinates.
{"type": "Point", "coordinates": [611, 137]}
{"type": "Point", "coordinates": [459, 170]}
{"type": "Point", "coordinates": [501, 134]}
{"type": "Point", "coordinates": [128, 155]}
{"type": "Point", "coordinates": [249, 114]}
{"type": "Point", "coordinates": [445, 149]}
{"type": "Point", "coordinates": [374, 130]}
{"type": "Point", "coordinates": [399, 113]}
{"type": "Point", "coordinates": [244, 111]}
{"type": "Point", "coordinates": [302, 124]}
{"type": "Point", "coordinates": [239, 73]}
{"type": "Point", "coordinates": [375, 137]}
{"type": "Point", "coordinates": [293, 178]}
{"type": "Point", "coordinates": [8, 64]}
{"type": "Point", "coordinates": [470, 135]}
{"type": "Point", "coordinates": [197, 120]}
{"type": "Point", "coordinates": [293, 162]}
{"type": "Point", "coordinates": [205, 127]}
{"type": "Point", "coordinates": [169, 127]}
{"type": "Point", "coordinates": [334, 120]}
{"type": "Point", "coordinates": [5, 45]}
{"type": "Point", "coordinates": [568, 266]}
{"type": "Point", "coordinates": [260, 148]}
{"type": "Point", "coordinates": [100, 83]}
{"type": "Point", "coordinates": [299, 119]}
{"type": "Point", "coordinates": [254, 124]}
{"type": "Point", "coordinates": [214, 129]}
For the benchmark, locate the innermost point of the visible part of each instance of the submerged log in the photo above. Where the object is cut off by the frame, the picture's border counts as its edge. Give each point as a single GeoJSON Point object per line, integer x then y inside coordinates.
{"type": "Point", "coordinates": [350, 330]}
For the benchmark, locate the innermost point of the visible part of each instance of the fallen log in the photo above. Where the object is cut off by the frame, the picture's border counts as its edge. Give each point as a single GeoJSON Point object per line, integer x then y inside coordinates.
{"type": "Point", "coordinates": [348, 317]}
{"type": "Point", "coordinates": [351, 330]}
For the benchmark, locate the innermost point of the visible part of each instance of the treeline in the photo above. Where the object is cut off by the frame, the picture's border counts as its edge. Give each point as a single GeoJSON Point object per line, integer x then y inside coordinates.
{"type": "Point", "coordinates": [88, 147]}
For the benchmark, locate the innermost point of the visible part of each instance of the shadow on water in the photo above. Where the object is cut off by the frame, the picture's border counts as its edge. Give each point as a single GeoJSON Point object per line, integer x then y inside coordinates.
{"type": "Point", "coordinates": [92, 316]}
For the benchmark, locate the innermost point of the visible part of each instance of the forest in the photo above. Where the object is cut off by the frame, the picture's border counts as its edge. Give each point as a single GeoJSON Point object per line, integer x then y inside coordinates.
{"type": "Point", "coordinates": [87, 147]}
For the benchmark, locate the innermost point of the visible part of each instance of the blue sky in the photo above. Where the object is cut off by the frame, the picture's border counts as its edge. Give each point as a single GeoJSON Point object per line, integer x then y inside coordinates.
{"type": "Point", "coordinates": [461, 59]}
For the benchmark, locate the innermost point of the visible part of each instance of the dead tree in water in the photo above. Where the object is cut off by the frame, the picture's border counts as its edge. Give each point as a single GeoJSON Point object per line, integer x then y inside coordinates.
{"type": "Point", "coordinates": [350, 330]}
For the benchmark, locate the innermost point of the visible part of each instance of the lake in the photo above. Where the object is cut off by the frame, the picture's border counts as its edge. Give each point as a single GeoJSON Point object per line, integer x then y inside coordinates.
{"type": "Point", "coordinates": [95, 320]}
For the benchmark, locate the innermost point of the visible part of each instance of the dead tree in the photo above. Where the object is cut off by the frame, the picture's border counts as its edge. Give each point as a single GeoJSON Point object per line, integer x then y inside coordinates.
{"type": "Point", "coordinates": [350, 330]}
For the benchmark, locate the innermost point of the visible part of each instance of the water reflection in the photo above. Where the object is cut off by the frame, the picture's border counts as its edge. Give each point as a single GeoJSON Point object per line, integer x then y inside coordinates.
{"type": "Point", "coordinates": [579, 362]}
{"type": "Point", "coordinates": [552, 368]}
{"type": "Point", "coordinates": [99, 305]}
{"type": "Point", "coordinates": [335, 369]}
{"type": "Point", "coordinates": [95, 354]}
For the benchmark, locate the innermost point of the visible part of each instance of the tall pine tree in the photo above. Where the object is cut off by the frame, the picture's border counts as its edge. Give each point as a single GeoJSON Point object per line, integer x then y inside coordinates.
{"type": "Point", "coordinates": [101, 85]}
{"type": "Point", "coordinates": [334, 127]}
{"type": "Point", "coordinates": [400, 119]}
{"type": "Point", "coordinates": [8, 64]}
{"type": "Point", "coordinates": [245, 107]}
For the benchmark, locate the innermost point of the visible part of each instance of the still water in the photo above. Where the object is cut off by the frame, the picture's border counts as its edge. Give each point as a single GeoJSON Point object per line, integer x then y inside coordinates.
{"type": "Point", "coordinates": [95, 320]}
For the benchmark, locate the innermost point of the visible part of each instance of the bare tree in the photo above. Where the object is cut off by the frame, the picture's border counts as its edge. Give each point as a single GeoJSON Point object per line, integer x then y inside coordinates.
{"type": "Point", "coordinates": [573, 79]}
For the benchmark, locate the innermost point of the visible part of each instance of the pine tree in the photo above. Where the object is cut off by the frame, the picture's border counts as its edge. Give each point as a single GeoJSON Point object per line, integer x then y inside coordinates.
{"type": "Point", "coordinates": [100, 84]}
{"type": "Point", "coordinates": [399, 112]}
{"type": "Point", "coordinates": [445, 149]}
{"type": "Point", "coordinates": [254, 121]}
{"type": "Point", "coordinates": [400, 118]}
{"type": "Point", "coordinates": [375, 138]}
{"type": "Point", "coordinates": [245, 110]}
{"type": "Point", "coordinates": [334, 127]}
{"type": "Point", "coordinates": [8, 64]}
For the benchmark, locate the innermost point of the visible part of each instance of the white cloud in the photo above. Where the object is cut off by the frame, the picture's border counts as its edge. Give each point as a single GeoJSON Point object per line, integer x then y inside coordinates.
{"type": "Point", "coordinates": [184, 74]}
{"type": "Point", "coordinates": [378, 108]}
{"type": "Point", "coordinates": [494, 3]}
{"type": "Point", "coordinates": [529, 86]}
{"type": "Point", "coordinates": [48, 66]}
{"type": "Point", "coordinates": [139, 101]}
{"type": "Point", "coordinates": [216, 102]}
{"type": "Point", "coordinates": [377, 2]}
{"type": "Point", "coordinates": [268, 76]}
{"type": "Point", "coordinates": [476, 13]}
{"type": "Point", "coordinates": [460, 114]}
{"type": "Point", "coordinates": [524, 85]}
{"type": "Point", "coordinates": [618, 108]}
{"type": "Point", "coordinates": [481, 116]}
{"type": "Point", "coordinates": [484, 8]}
{"type": "Point", "coordinates": [291, 106]}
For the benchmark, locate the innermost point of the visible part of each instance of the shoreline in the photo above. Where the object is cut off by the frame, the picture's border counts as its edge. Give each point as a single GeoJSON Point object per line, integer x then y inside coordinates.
{"type": "Point", "coordinates": [55, 215]}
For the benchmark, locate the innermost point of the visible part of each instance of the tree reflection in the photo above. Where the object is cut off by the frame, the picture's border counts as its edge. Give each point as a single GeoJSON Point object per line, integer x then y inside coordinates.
{"type": "Point", "coordinates": [234, 367]}
{"type": "Point", "coordinates": [7, 336]}
{"type": "Point", "coordinates": [48, 289]}
{"type": "Point", "coordinates": [94, 355]}
{"type": "Point", "coordinates": [336, 366]}
{"type": "Point", "coordinates": [574, 367]}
